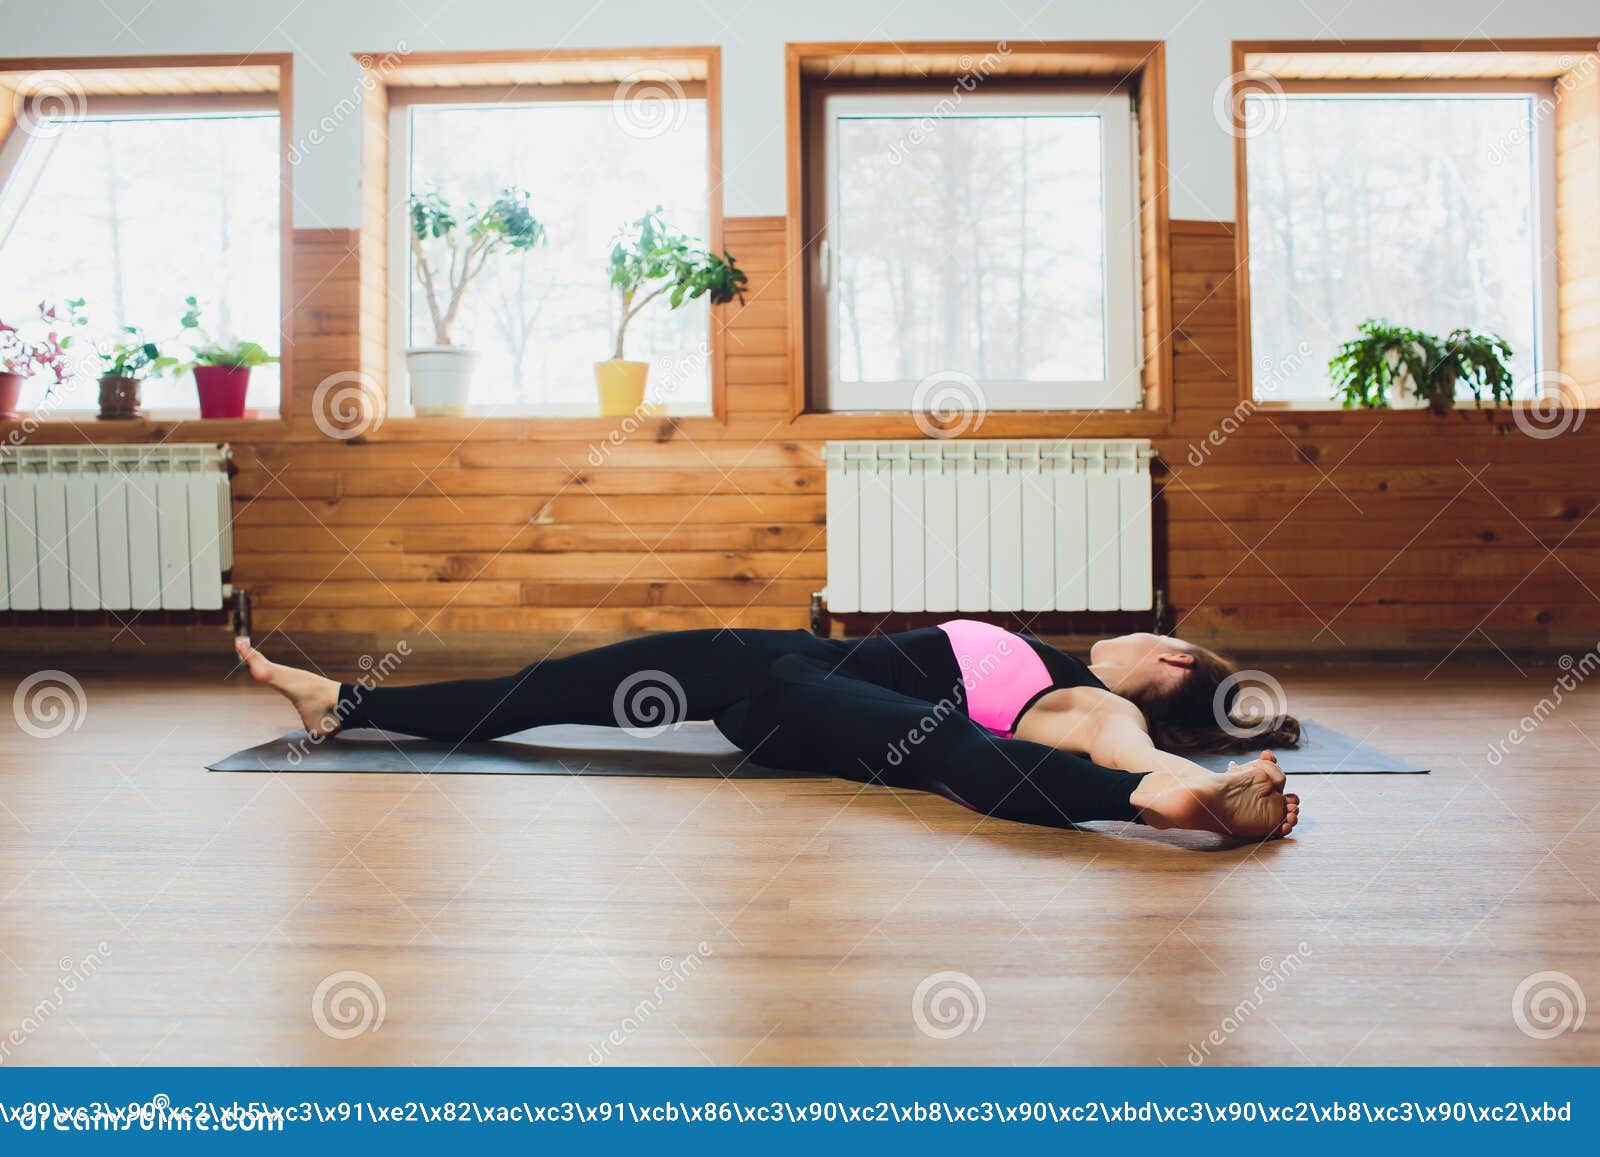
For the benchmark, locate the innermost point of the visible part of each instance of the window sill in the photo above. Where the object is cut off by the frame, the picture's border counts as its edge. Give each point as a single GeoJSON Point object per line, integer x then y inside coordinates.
{"type": "Point", "coordinates": [994, 424]}
{"type": "Point", "coordinates": [175, 425]}
{"type": "Point", "coordinates": [1323, 411]}
{"type": "Point", "coordinates": [521, 423]}
{"type": "Point", "coordinates": [534, 414]}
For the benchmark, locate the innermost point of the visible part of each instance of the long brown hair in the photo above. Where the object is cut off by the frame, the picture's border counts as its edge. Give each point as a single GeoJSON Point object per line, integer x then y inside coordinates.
{"type": "Point", "coordinates": [1216, 707]}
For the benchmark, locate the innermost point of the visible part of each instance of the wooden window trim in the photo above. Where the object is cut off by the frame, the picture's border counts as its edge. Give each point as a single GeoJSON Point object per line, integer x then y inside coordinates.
{"type": "Point", "coordinates": [1537, 65]}
{"type": "Point", "coordinates": [1139, 64]}
{"type": "Point", "coordinates": [446, 77]}
{"type": "Point", "coordinates": [193, 77]}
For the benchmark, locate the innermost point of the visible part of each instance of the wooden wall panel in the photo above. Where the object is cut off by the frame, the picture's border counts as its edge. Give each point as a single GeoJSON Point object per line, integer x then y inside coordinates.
{"type": "Point", "coordinates": [1577, 123]}
{"type": "Point", "coordinates": [1290, 530]}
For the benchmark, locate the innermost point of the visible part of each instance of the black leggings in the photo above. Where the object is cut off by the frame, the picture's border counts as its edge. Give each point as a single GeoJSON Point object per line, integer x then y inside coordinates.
{"type": "Point", "coordinates": [889, 710]}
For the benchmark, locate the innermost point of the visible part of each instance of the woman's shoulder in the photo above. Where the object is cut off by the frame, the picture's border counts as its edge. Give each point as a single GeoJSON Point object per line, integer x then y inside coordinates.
{"type": "Point", "coordinates": [1087, 698]}
{"type": "Point", "coordinates": [1071, 717]}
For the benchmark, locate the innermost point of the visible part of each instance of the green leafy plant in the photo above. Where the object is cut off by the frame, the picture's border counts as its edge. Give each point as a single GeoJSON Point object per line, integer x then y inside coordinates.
{"type": "Point", "coordinates": [134, 356]}
{"type": "Point", "coordinates": [1386, 359]}
{"type": "Point", "coordinates": [1482, 363]}
{"type": "Point", "coordinates": [468, 240]}
{"type": "Point", "coordinates": [211, 352]}
{"type": "Point", "coordinates": [649, 259]}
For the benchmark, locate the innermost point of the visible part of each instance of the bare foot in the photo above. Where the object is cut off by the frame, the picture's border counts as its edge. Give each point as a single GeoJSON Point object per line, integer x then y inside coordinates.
{"type": "Point", "coordinates": [313, 697]}
{"type": "Point", "coordinates": [1247, 801]}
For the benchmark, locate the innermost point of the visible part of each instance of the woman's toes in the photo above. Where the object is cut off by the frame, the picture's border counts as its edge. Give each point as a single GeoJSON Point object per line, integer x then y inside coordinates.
{"type": "Point", "coordinates": [1291, 818]}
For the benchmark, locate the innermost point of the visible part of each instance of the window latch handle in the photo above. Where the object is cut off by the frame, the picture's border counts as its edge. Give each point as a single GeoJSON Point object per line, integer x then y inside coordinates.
{"type": "Point", "coordinates": [824, 263]}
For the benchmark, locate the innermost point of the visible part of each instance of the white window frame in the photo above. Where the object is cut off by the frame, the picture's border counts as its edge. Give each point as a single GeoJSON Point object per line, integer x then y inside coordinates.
{"type": "Point", "coordinates": [1542, 236]}
{"type": "Point", "coordinates": [402, 285]}
{"type": "Point", "coordinates": [106, 107]}
{"type": "Point", "coordinates": [1122, 386]}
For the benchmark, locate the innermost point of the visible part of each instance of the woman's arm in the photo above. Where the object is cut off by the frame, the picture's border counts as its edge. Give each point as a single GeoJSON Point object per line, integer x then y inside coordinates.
{"type": "Point", "coordinates": [1108, 729]}
{"type": "Point", "coordinates": [1124, 744]}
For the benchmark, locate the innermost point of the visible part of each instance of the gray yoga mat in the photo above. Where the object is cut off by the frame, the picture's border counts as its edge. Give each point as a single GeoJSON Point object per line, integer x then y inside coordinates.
{"type": "Point", "coordinates": [690, 751]}
{"type": "Point", "coordinates": [1324, 751]}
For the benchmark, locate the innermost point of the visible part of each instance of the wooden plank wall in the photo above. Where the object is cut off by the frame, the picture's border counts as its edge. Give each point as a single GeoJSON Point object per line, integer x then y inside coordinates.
{"type": "Point", "coordinates": [1364, 530]}
{"type": "Point", "coordinates": [1577, 123]}
{"type": "Point", "coordinates": [508, 525]}
{"type": "Point", "coordinates": [1338, 531]}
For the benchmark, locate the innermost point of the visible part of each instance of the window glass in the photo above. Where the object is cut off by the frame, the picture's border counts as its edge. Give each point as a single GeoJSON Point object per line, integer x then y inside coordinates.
{"type": "Point", "coordinates": [1420, 209]}
{"type": "Point", "coordinates": [136, 213]}
{"type": "Point", "coordinates": [540, 321]}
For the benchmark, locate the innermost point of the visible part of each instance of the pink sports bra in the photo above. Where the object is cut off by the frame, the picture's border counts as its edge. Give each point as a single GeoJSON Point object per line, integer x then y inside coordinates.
{"type": "Point", "coordinates": [1001, 672]}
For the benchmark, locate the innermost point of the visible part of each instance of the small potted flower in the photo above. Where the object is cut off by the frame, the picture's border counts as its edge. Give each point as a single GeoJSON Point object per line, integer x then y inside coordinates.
{"type": "Point", "coordinates": [449, 249]}
{"type": "Point", "coordinates": [221, 369]}
{"type": "Point", "coordinates": [126, 365]}
{"type": "Point", "coordinates": [21, 357]}
{"type": "Point", "coordinates": [649, 259]}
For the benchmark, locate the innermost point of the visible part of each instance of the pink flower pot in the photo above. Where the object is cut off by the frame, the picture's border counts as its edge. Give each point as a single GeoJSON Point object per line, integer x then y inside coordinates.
{"type": "Point", "coordinates": [222, 390]}
{"type": "Point", "coordinates": [10, 391]}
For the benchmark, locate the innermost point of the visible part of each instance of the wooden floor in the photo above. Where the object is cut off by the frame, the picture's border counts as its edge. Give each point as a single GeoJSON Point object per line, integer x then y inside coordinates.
{"type": "Point", "coordinates": [152, 913]}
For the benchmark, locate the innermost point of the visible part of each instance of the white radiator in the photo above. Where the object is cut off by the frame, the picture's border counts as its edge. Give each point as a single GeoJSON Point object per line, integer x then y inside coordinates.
{"type": "Point", "coordinates": [121, 528]}
{"type": "Point", "coordinates": [989, 526]}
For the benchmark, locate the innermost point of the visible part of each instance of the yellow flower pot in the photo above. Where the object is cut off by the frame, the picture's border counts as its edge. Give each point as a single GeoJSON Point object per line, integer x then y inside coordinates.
{"type": "Point", "coordinates": [621, 386]}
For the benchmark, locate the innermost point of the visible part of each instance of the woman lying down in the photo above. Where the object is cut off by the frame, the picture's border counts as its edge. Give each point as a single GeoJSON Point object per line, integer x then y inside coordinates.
{"type": "Point", "coordinates": [1000, 723]}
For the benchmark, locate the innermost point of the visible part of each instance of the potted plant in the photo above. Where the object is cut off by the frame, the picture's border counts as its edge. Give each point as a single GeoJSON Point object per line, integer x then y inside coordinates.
{"type": "Point", "coordinates": [650, 259]}
{"type": "Point", "coordinates": [126, 364]}
{"type": "Point", "coordinates": [450, 251]}
{"type": "Point", "coordinates": [21, 357]}
{"type": "Point", "coordinates": [221, 369]}
{"type": "Point", "coordinates": [1392, 365]}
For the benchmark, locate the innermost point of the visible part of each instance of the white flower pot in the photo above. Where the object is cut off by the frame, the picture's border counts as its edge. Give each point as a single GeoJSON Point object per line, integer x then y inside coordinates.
{"type": "Point", "coordinates": [441, 376]}
{"type": "Point", "coordinates": [1402, 395]}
